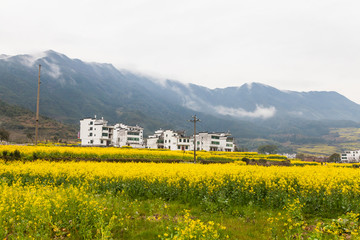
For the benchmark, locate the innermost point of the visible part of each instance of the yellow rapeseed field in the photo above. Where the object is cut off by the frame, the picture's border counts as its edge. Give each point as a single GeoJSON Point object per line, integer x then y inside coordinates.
{"type": "Point", "coordinates": [48, 152]}
{"type": "Point", "coordinates": [254, 180]}
{"type": "Point", "coordinates": [99, 200]}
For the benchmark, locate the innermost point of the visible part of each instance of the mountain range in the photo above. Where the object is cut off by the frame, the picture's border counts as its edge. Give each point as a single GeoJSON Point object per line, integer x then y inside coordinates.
{"type": "Point", "coordinates": [72, 89]}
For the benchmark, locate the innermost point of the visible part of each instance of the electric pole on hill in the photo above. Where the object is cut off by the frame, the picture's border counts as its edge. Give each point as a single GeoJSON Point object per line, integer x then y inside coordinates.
{"type": "Point", "coordinates": [37, 109]}
{"type": "Point", "coordinates": [194, 120]}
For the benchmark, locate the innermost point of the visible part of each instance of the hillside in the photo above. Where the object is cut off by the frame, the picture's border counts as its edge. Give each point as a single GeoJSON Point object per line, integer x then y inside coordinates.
{"type": "Point", "coordinates": [20, 123]}
{"type": "Point", "coordinates": [72, 89]}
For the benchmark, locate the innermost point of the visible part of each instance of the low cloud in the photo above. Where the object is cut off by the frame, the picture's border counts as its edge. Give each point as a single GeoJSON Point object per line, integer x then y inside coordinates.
{"type": "Point", "coordinates": [30, 60]}
{"type": "Point", "coordinates": [199, 105]}
{"type": "Point", "coordinates": [299, 113]}
{"type": "Point", "coordinates": [259, 112]}
{"type": "Point", "coordinates": [53, 70]}
{"type": "Point", "coordinates": [193, 102]}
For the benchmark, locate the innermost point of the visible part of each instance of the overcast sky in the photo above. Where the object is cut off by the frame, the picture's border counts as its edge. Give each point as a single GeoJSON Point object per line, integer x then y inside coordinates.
{"type": "Point", "coordinates": [291, 45]}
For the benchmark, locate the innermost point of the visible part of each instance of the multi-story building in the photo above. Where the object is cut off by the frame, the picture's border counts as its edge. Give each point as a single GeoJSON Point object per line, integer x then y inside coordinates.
{"type": "Point", "coordinates": [215, 142]}
{"type": "Point", "coordinates": [168, 139]}
{"type": "Point", "coordinates": [125, 135]}
{"type": "Point", "coordinates": [176, 140]}
{"type": "Point", "coordinates": [185, 143]}
{"type": "Point", "coordinates": [97, 132]}
{"type": "Point", "coordinates": [155, 141]}
{"type": "Point", "coordinates": [350, 156]}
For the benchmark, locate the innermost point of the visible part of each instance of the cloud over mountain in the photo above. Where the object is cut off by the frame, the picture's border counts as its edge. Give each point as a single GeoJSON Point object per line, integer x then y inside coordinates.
{"type": "Point", "coordinates": [72, 89]}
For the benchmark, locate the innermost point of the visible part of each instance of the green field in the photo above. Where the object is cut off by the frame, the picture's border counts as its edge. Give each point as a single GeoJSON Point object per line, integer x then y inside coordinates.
{"type": "Point", "coordinates": [340, 140]}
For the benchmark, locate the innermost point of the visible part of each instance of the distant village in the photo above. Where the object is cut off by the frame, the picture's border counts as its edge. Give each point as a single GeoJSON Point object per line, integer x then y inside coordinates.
{"type": "Point", "coordinates": [97, 132]}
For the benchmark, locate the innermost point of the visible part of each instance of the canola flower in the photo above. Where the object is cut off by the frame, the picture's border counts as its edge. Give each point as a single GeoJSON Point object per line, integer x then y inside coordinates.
{"type": "Point", "coordinates": [189, 228]}
{"type": "Point", "coordinates": [51, 152]}
{"type": "Point", "coordinates": [60, 199]}
{"type": "Point", "coordinates": [35, 211]}
{"type": "Point", "coordinates": [324, 190]}
{"type": "Point", "coordinates": [51, 212]}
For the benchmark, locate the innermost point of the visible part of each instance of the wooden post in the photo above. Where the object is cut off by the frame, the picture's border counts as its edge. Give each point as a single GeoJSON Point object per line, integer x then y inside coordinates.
{"type": "Point", "coordinates": [195, 119]}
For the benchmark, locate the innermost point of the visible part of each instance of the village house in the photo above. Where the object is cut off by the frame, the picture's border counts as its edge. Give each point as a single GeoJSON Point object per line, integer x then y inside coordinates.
{"type": "Point", "coordinates": [97, 132]}
{"type": "Point", "coordinates": [169, 139]}
{"type": "Point", "coordinates": [176, 140]}
{"type": "Point", "coordinates": [350, 156]}
{"type": "Point", "coordinates": [215, 142]}
{"type": "Point", "coordinates": [125, 135]}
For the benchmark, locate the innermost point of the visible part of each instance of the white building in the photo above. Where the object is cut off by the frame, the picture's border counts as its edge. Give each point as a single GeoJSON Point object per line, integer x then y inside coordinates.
{"type": "Point", "coordinates": [155, 141]}
{"type": "Point", "coordinates": [125, 135]}
{"type": "Point", "coordinates": [215, 142]}
{"type": "Point", "coordinates": [350, 156]}
{"type": "Point", "coordinates": [169, 139]}
{"type": "Point", "coordinates": [176, 140]}
{"type": "Point", "coordinates": [185, 143]}
{"type": "Point", "coordinates": [97, 132]}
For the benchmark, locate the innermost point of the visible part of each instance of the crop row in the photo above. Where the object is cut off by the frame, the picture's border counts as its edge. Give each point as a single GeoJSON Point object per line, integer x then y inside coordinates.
{"type": "Point", "coordinates": [322, 190]}
{"type": "Point", "coordinates": [63, 153]}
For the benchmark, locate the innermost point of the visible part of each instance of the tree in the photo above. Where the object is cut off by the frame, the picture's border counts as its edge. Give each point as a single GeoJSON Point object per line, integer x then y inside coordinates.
{"type": "Point", "coordinates": [270, 149]}
{"type": "Point", "coordinates": [335, 157]}
{"type": "Point", "coordinates": [300, 156]}
{"type": "Point", "coordinates": [30, 136]}
{"type": "Point", "coordinates": [240, 149]}
{"type": "Point", "coordinates": [4, 135]}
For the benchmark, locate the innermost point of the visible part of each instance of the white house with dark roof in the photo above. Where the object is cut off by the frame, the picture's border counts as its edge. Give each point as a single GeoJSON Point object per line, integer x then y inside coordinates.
{"type": "Point", "coordinates": [97, 132]}
{"type": "Point", "coordinates": [125, 135]}
{"type": "Point", "coordinates": [350, 156]}
{"type": "Point", "coordinates": [168, 139]}
{"type": "Point", "coordinates": [177, 140]}
{"type": "Point", "coordinates": [215, 142]}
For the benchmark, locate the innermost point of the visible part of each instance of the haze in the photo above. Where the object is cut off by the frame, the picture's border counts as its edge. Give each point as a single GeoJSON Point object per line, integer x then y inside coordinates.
{"type": "Point", "coordinates": [292, 45]}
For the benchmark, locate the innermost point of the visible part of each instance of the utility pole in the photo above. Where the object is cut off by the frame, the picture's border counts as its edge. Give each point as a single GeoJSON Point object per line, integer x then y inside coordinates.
{"type": "Point", "coordinates": [37, 109]}
{"type": "Point", "coordinates": [194, 120]}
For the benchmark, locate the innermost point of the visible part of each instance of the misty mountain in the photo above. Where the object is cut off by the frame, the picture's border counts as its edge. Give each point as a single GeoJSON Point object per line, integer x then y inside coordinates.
{"type": "Point", "coordinates": [259, 101]}
{"type": "Point", "coordinates": [72, 89]}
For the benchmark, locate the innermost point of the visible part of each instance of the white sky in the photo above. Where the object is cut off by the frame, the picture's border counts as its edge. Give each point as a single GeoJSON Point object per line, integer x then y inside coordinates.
{"type": "Point", "coordinates": [291, 45]}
